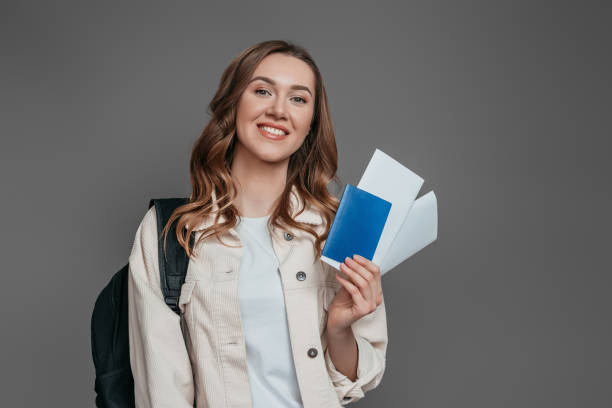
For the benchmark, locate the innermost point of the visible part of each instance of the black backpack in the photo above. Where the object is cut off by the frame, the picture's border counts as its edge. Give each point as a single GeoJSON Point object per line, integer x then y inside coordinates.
{"type": "Point", "coordinates": [114, 384]}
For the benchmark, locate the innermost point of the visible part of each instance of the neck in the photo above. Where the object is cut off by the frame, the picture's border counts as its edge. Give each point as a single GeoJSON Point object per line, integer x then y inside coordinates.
{"type": "Point", "coordinates": [259, 183]}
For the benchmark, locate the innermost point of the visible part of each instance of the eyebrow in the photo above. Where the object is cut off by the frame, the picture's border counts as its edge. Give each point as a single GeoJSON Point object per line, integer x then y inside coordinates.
{"type": "Point", "coordinates": [271, 82]}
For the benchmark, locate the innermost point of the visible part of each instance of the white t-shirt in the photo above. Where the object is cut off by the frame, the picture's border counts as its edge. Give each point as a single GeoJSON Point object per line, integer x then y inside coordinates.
{"type": "Point", "coordinates": [264, 320]}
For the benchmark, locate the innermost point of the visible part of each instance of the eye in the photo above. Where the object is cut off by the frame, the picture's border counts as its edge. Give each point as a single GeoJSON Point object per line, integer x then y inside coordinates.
{"type": "Point", "coordinates": [300, 98]}
{"type": "Point", "coordinates": [264, 90]}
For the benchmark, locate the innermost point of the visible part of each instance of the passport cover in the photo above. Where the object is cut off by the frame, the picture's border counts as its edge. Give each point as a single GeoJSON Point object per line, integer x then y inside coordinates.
{"type": "Point", "coordinates": [357, 226]}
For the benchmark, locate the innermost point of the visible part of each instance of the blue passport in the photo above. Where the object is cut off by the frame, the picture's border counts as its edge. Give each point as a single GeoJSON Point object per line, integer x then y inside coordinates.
{"type": "Point", "coordinates": [357, 226]}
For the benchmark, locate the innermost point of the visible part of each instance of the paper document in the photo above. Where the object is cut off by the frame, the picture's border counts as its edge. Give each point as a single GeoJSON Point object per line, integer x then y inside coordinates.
{"type": "Point", "coordinates": [391, 181]}
{"type": "Point", "coordinates": [411, 225]}
{"type": "Point", "coordinates": [420, 228]}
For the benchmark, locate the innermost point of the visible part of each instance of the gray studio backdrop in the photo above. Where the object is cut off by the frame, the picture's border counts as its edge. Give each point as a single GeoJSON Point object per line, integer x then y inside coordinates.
{"type": "Point", "coordinates": [503, 108]}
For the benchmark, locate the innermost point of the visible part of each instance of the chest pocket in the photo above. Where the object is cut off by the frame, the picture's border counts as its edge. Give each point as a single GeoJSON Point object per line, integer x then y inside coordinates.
{"type": "Point", "coordinates": [184, 306]}
{"type": "Point", "coordinates": [325, 295]}
{"type": "Point", "coordinates": [327, 286]}
{"type": "Point", "coordinates": [323, 274]}
{"type": "Point", "coordinates": [185, 298]}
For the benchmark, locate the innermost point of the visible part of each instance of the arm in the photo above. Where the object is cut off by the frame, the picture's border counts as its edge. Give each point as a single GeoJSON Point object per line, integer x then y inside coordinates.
{"type": "Point", "coordinates": [158, 356]}
{"type": "Point", "coordinates": [355, 357]}
{"type": "Point", "coordinates": [344, 352]}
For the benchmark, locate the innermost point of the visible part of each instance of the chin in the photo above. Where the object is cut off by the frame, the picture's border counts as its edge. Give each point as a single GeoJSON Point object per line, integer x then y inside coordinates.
{"type": "Point", "coordinates": [271, 157]}
{"type": "Point", "coordinates": [266, 151]}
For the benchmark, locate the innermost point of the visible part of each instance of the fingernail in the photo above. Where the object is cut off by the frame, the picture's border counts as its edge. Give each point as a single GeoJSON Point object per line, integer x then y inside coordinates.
{"type": "Point", "coordinates": [347, 259]}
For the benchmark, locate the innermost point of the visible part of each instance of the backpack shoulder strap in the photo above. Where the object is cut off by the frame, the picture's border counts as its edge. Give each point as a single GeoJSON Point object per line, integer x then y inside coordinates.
{"type": "Point", "coordinates": [172, 266]}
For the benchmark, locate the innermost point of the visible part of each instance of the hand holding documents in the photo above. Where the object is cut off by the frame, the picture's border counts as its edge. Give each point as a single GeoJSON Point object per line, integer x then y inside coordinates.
{"type": "Point", "coordinates": [380, 218]}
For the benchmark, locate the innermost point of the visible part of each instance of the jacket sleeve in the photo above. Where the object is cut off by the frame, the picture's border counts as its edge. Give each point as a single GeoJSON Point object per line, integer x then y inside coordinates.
{"type": "Point", "coordinates": [371, 334]}
{"type": "Point", "coordinates": [158, 355]}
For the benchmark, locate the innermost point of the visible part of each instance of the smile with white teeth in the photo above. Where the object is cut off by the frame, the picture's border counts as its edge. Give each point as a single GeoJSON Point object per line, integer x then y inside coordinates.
{"type": "Point", "coordinates": [272, 130]}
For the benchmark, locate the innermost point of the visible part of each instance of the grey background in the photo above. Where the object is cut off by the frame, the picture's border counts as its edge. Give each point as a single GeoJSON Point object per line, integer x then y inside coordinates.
{"type": "Point", "coordinates": [503, 107]}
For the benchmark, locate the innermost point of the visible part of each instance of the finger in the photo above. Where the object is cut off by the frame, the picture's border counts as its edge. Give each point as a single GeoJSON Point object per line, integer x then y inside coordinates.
{"type": "Point", "coordinates": [360, 306]}
{"type": "Point", "coordinates": [367, 276]}
{"type": "Point", "coordinates": [367, 287]}
{"type": "Point", "coordinates": [358, 267]}
{"type": "Point", "coordinates": [355, 293]}
{"type": "Point", "coordinates": [354, 276]}
{"type": "Point", "coordinates": [375, 271]}
{"type": "Point", "coordinates": [366, 263]}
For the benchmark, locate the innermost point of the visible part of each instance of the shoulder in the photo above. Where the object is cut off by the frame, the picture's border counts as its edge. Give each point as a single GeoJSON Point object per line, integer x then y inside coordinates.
{"type": "Point", "coordinates": [143, 256]}
{"type": "Point", "coordinates": [147, 230]}
{"type": "Point", "coordinates": [150, 219]}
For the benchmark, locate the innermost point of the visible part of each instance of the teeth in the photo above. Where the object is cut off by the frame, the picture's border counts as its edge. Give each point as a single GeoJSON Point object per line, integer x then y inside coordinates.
{"type": "Point", "coordinates": [272, 130]}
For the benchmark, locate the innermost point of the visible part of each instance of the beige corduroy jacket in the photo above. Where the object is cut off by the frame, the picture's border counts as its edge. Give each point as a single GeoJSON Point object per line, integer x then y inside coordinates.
{"type": "Point", "coordinates": [198, 359]}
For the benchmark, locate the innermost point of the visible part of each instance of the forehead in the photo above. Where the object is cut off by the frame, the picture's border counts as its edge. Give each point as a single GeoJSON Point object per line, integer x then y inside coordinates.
{"type": "Point", "coordinates": [286, 70]}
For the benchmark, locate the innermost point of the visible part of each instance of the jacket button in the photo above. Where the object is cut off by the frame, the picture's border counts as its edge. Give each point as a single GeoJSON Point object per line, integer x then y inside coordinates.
{"type": "Point", "coordinates": [288, 236]}
{"type": "Point", "coordinates": [312, 352]}
{"type": "Point", "coordinates": [301, 275]}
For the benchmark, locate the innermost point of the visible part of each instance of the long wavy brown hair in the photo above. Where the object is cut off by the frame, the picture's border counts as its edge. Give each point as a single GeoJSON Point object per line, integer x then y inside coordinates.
{"type": "Point", "coordinates": [310, 169]}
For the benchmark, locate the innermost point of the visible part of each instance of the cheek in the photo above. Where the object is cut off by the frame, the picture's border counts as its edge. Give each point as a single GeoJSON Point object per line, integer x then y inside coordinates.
{"type": "Point", "coordinates": [303, 119]}
{"type": "Point", "coordinates": [247, 110]}
{"type": "Point", "coordinates": [302, 123]}
{"type": "Point", "coordinates": [299, 142]}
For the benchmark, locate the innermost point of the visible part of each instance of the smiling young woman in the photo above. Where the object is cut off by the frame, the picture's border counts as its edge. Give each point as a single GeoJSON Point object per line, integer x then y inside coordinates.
{"type": "Point", "coordinates": [264, 322]}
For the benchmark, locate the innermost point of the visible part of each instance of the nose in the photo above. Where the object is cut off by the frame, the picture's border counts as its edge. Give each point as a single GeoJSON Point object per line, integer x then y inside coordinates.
{"type": "Point", "coordinates": [277, 108]}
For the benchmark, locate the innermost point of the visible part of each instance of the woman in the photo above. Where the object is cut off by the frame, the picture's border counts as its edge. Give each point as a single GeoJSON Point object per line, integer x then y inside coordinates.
{"type": "Point", "coordinates": [264, 322]}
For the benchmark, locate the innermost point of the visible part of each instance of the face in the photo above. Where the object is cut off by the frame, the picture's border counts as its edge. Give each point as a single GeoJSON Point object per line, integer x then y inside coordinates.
{"type": "Point", "coordinates": [275, 111]}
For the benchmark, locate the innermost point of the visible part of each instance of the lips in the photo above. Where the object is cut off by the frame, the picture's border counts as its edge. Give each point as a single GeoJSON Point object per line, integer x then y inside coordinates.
{"type": "Point", "coordinates": [274, 126]}
{"type": "Point", "coordinates": [273, 132]}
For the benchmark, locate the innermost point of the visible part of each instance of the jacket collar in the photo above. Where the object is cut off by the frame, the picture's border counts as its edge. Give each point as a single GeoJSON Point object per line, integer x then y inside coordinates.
{"type": "Point", "coordinates": [308, 215]}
